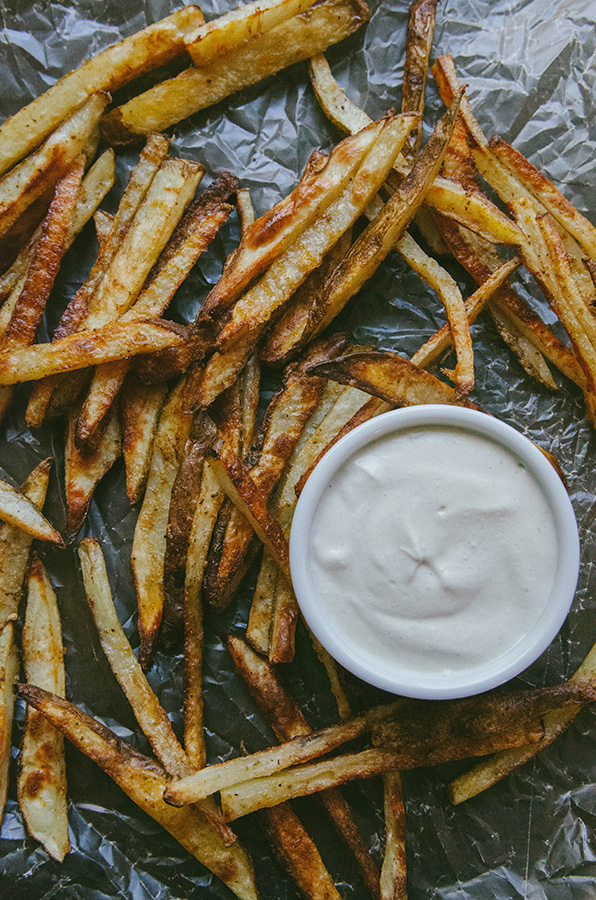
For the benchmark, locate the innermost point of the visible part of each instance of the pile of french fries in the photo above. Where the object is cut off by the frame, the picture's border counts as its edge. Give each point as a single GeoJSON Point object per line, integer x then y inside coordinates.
{"type": "Point", "coordinates": [215, 482]}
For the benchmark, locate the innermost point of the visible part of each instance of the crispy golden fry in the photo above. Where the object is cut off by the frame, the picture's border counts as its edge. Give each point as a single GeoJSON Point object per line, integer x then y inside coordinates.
{"type": "Point", "coordinates": [42, 774]}
{"type": "Point", "coordinates": [285, 619]}
{"type": "Point", "coordinates": [149, 543]}
{"type": "Point", "coordinates": [197, 88]}
{"type": "Point", "coordinates": [9, 671]}
{"type": "Point", "coordinates": [445, 195]}
{"type": "Point", "coordinates": [323, 181]}
{"type": "Point", "coordinates": [442, 340]}
{"type": "Point", "coordinates": [15, 545]}
{"type": "Point", "coordinates": [84, 471]}
{"type": "Point", "coordinates": [427, 734]}
{"type": "Point", "coordinates": [141, 405]}
{"type": "Point", "coordinates": [389, 376]}
{"type": "Point", "coordinates": [260, 620]}
{"type": "Point", "coordinates": [234, 478]}
{"type": "Point", "coordinates": [95, 185]}
{"type": "Point", "coordinates": [189, 241]}
{"type": "Point", "coordinates": [144, 781]}
{"type": "Point", "coordinates": [282, 343]}
{"type": "Point", "coordinates": [19, 511]}
{"type": "Point", "coordinates": [373, 245]}
{"type": "Point", "coordinates": [419, 40]}
{"type": "Point", "coordinates": [119, 340]}
{"type": "Point", "coordinates": [527, 353]}
{"type": "Point", "coordinates": [41, 171]}
{"type": "Point", "coordinates": [266, 762]}
{"type": "Point", "coordinates": [393, 873]}
{"type": "Point", "coordinates": [287, 413]}
{"type": "Point", "coordinates": [253, 310]}
{"type": "Point", "coordinates": [492, 770]}
{"type": "Point", "coordinates": [227, 34]}
{"type": "Point", "coordinates": [288, 722]}
{"type": "Point", "coordinates": [153, 46]}
{"type": "Point", "coordinates": [148, 711]}
{"type": "Point", "coordinates": [298, 853]}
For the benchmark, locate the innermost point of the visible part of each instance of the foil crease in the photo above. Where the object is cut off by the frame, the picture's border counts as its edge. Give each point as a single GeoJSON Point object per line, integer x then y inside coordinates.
{"type": "Point", "coordinates": [531, 70]}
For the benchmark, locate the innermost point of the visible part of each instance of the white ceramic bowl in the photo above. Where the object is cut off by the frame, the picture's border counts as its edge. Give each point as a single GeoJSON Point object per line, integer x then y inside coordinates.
{"type": "Point", "coordinates": [470, 681]}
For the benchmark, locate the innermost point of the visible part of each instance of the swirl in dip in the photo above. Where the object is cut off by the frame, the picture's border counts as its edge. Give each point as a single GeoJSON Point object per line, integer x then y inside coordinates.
{"type": "Point", "coordinates": [434, 549]}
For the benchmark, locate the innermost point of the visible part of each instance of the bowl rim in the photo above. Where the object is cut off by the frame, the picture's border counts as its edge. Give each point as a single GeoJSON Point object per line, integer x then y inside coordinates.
{"type": "Point", "coordinates": [528, 648]}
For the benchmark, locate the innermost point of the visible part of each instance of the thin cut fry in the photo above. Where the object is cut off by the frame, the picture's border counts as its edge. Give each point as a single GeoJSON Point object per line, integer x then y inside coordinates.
{"type": "Point", "coordinates": [42, 774]}
{"type": "Point", "coordinates": [421, 28]}
{"type": "Point", "coordinates": [144, 781]}
{"type": "Point", "coordinates": [393, 873]}
{"type": "Point", "coordinates": [9, 670]}
{"type": "Point", "coordinates": [197, 88]}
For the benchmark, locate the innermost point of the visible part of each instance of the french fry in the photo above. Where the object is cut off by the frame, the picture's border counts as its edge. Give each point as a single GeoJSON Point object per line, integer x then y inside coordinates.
{"type": "Point", "coordinates": [18, 510]}
{"type": "Point", "coordinates": [445, 195]}
{"type": "Point", "coordinates": [288, 722]}
{"type": "Point", "coordinates": [119, 340]}
{"type": "Point", "coordinates": [493, 721]}
{"type": "Point", "coordinates": [287, 413]}
{"type": "Point", "coordinates": [285, 274]}
{"type": "Point", "coordinates": [95, 185]}
{"type": "Point", "coordinates": [189, 241]}
{"type": "Point", "coordinates": [30, 304]}
{"type": "Point", "coordinates": [373, 245]}
{"type": "Point", "coordinates": [84, 471]}
{"type": "Point", "coordinates": [235, 479]}
{"type": "Point", "coordinates": [419, 39]}
{"type": "Point", "coordinates": [283, 341]}
{"type": "Point", "coordinates": [260, 620]}
{"type": "Point", "coordinates": [140, 407]}
{"type": "Point", "coordinates": [148, 711]}
{"type": "Point", "coordinates": [263, 763]}
{"type": "Point", "coordinates": [298, 853]}
{"type": "Point", "coordinates": [197, 88]}
{"type": "Point", "coordinates": [153, 46]}
{"type": "Point", "coordinates": [9, 670]}
{"type": "Point", "coordinates": [284, 621]}
{"type": "Point", "coordinates": [42, 170]}
{"type": "Point", "coordinates": [323, 181]}
{"type": "Point", "coordinates": [149, 543]}
{"type": "Point", "coordinates": [184, 498]}
{"type": "Point", "coordinates": [332, 672]}
{"type": "Point", "coordinates": [15, 545]}
{"type": "Point", "coordinates": [41, 784]}
{"type": "Point", "coordinates": [103, 222]}
{"type": "Point", "coordinates": [144, 781]}
{"type": "Point", "coordinates": [227, 34]}
{"type": "Point", "coordinates": [389, 376]}
{"type": "Point", "coordinates": [393, 872]}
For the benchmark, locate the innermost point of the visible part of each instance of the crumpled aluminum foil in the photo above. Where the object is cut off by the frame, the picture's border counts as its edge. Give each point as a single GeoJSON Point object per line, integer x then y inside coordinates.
{"type": "Point", "coordinates": [531, 70]}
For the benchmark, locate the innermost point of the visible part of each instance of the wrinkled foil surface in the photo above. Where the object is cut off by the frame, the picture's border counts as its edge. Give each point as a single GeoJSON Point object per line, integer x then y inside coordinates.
{"type": "Point", "coordinates": [531, 70]}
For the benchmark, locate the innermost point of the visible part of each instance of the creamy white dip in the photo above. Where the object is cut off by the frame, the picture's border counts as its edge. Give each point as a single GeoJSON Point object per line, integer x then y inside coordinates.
{"type": "Point", "coordinates": [433, 549]}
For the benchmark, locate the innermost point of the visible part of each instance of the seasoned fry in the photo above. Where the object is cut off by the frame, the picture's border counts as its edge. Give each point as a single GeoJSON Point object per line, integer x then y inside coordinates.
{"type": "Point", "coordinates": [119, 340]}
{"type": "Point", "coordinates": [84, 471]}
{"type": "Point", "coordinates": [393, 873]}
{"type": "Point", "coordinates": [41, 171]}
{"type": "Point", "coordinates": [15, 545]}
{"type": "Point", "coordinates": [266, 762]}
{"type": "Point", "coordinates": [389, 376]}
{"type": "Point", "coordinates": [419, 40]}
{"type": "Point", "coordinates": [260, 620]}
{"type": "Point", "coordinates": [495, 721]}
{"type": "Point", "coordinates": [189, 241]}
{"type": "Point", "coordinates": [226, 34]}
{"type": "Point", "coordinates": [9, 671]}
{"type": "Point", "coordinates": [149, 543]}
{"type": "Point", "coordinates": [140, 407]}
{"type": "Point", "coordinates": [19, 511]}
{"type": "Point", "coordinates": [153, 46]}
{"type": "Point", "coordinates": [299, 38]}
{"type": "Point", "coordinates": [285, 619]}
{"type": "Point", "coordinates": [144, 780]}
{"type": "Point", "coordinates": [42, 773]}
